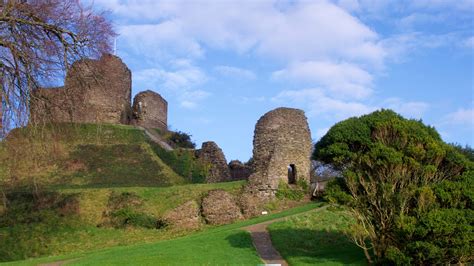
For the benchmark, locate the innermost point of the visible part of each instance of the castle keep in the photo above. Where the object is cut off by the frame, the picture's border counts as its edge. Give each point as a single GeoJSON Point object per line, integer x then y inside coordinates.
{"type": "Point", "coordinates": [98, 91]}
{"type": "Point", "coordinates": [281, 149]}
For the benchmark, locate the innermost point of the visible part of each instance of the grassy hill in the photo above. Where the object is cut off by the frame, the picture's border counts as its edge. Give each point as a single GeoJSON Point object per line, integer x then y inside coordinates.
{"type": "Point", "coordinates": [85, 155]}
{"type": "Point", "coordinates": [61, 183]}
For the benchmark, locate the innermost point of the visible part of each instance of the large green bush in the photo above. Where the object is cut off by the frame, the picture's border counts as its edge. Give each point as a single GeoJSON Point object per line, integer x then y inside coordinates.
{"type": "Point", "coordinates": [410, 192]}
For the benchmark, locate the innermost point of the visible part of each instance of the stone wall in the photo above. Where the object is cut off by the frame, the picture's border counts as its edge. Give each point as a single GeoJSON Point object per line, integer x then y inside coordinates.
{"type": "Point", "coordinates": [238, 170]}
{"type": "Point", "coordinates": [220, 207]}
{"type": "Point", "coordinates": [95, 91]}
{"type": "Point", "coordinates": [282, 140]}
{"type": "Point", "coordinates": [211, 154]}
{"type": "Point", "coordinates": [150, 110]}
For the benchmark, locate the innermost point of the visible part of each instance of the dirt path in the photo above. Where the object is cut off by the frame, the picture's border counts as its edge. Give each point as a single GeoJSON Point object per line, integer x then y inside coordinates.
{"type": "Point", "coordinates": [263, 243]}
{"type": "Point", "coordinates": [155, 137]}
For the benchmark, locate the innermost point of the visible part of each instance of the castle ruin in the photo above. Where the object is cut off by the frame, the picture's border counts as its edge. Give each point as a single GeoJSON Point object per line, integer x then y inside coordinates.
{"type": "Point", "coordinates": [94, 91]}
{"type": "Point", "coordinates": [150, 110]}
{"type": "Point", "coordinates": [282, 150]}
{"type": "Point", "coordinates": [98, 91]}
{"type": "Point", "coordinates": [212, 155]}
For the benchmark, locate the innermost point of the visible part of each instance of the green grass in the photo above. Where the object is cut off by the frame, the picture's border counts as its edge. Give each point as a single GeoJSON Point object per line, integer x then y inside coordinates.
{"type": "Point", "coordinates": [184, 162]}
{"type": "Point", "coordinates": [118, 165]}
{"type": "Point", "coordinates": [28, 232]}
{"type": "Point", "coordinates": [157, 200]}
{"type": "Point", "coordinates": [86, 155]}
{"type": "Point", "coordinates": [224, 245]}
{"type": "Point", "coordinates": [316, 238]}
{"type": "Point", "coordinates": [73, 133]}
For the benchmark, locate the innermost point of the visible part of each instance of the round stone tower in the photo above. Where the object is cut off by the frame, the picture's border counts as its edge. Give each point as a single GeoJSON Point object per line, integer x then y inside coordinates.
{"type": "Point", "coordinates": [281, 149]}
{"type": "Point", "coordinates": [150, 110]}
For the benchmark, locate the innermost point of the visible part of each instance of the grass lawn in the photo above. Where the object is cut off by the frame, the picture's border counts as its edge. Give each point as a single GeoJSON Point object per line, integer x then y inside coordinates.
{"type": "Point", "coordinates": [34, 234]}
{"type": "Point", "coordinates": [316, 238]}
{"type": "Point", "coordinates": [224, 245]}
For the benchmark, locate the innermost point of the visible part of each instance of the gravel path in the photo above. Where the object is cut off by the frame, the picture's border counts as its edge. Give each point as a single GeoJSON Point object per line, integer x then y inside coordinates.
{"type": "Point", "coordinates": [263, 243]}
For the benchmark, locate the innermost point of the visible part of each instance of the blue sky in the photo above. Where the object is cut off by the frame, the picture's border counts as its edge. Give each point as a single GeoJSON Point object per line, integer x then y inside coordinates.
{"type": "Point", "coordinates": [223, 64]}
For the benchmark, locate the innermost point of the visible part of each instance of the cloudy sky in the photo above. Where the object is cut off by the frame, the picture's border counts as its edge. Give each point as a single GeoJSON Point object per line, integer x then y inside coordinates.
{"type": "Point", "coordinates": [223, 64]}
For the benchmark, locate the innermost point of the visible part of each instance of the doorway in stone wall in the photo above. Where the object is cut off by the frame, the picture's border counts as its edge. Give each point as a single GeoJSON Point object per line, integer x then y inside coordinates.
{"type": "Point", "coordinates": [291, 174]}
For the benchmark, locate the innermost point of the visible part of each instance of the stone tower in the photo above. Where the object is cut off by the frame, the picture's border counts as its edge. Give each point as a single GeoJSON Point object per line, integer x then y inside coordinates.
{"type": "Point", "coordinates": [281, 149]}
{"type": "Point", "coordinates": [211, 154]}
{"type": "Point", "coordinates": [95, 91]}
{"type": "Point", "coordinates": [150, 110]}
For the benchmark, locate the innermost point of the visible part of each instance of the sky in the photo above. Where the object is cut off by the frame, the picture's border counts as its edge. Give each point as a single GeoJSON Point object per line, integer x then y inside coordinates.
{"type": "Point", "coordinates": [221, 65]}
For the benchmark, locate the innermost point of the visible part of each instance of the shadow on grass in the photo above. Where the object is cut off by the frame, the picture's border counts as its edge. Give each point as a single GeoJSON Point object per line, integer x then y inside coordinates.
{"type": "Point", "coordinates": [240, 239]}
{"type": "Point", "coordinates": [305, 246]}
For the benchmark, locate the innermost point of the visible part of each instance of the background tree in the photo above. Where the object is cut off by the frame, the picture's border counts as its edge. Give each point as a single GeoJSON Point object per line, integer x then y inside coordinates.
{"type": "Point", "coordinates": [401, 181]}
{"type": "Point", "coordinates": [39, 40]}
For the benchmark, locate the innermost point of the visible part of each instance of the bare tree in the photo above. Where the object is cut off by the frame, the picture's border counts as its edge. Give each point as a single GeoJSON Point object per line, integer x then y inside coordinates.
{"type": "Point", "coordinates": [39, 40]}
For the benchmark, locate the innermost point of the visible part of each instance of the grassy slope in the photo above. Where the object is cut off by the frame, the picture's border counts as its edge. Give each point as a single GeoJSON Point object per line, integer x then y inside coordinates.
{"type": "Point", "coordinates": [86, 155]}
{"type": "Point", "coordinates": [52, 234]}
{"type": "Point", "coordinates": [157, 200]}
{"type": "Point", "coordinates": [316, 239]}
{"type": "Point", "coordinates": [224, 245]}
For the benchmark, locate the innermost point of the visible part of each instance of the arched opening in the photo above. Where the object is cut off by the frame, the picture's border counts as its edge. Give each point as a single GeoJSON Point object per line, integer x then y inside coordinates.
{"type": "Point", "coordinates": [291, 174]}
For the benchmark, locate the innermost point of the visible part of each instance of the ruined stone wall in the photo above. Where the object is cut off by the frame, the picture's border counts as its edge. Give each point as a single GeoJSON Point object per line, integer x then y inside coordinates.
{"type": "Point", "coordinates": [238, 170]}
{"type": "Point", "coordinates": [281, 138]}
{"type": "Point", "coordinates": [150, 110]}
{"type": "Point", "coordinates": [211, 154]}
{"type": "Point", "coordinates": [95, 91]}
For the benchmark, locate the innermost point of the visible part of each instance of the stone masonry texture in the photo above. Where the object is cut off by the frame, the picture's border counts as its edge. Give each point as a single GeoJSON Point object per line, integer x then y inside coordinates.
{"type": "Point", "coordinates": [211, 154]}
{"type": "Point", "coordinates": [220, 207]}
{"type": "Point", "coordinates": [281, 138]}
{"type": "Point", "coordinates": [238, 170]}
{"type": "Point", "coordinates": [150, 110]}
{"type": "Point", "coordinates": [95, 91]}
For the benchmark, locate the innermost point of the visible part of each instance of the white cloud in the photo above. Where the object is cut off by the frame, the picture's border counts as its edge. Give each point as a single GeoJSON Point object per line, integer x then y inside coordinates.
{"type": "Point", "coordinates": [414, 19]}
{"type": "Point", "coordinates": [342, 79]}
{"type": "Point", "coordinates": [317, 41]}
{"type": "Point", "coordinates": [235, 72]}
{"type": "Point", "coordinates": [317, 104]}
{"type": "Point", "coordinates": [163, 41]}
{"type": "Point", "coordinates": [411, 109]}
{"type": "Point", "coordinates": [191, 99]}
{"type": "Point", "coordinates": [399, 47]}
{"type": "Point", "coordinates": [469, 42]}
{"type": "Point", "coordinates": [303, 30]}
{"type": "Point", "coordinates": [464, 117]}
{"type": "Point", "coordinates": [181, 81]}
